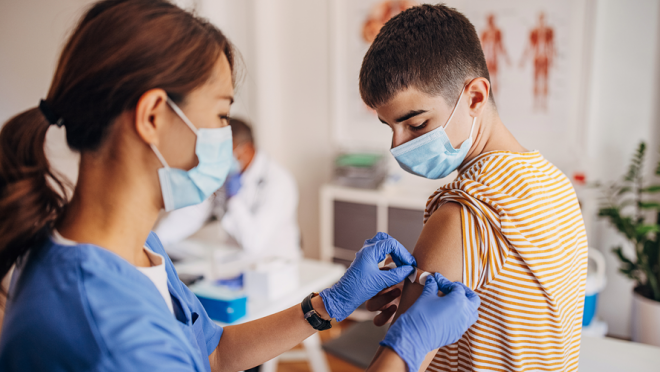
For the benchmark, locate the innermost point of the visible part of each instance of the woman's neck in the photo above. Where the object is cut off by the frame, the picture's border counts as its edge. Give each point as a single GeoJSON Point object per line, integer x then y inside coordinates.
{"type": "Point", "coordinates": [113, 207]}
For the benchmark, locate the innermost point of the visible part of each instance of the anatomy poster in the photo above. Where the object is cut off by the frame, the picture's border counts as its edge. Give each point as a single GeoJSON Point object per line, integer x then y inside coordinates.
{"type": "Point", "coordinates": [356, 25]}
{"type": "Point", "coordinates": [535, 52]}
{"type": "Point", "coordinates": [537, 56]}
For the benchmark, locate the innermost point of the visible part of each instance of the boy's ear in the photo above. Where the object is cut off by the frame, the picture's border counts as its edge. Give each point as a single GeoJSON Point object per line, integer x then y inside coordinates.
{"type": "Point", "coordinates": [478, 91]}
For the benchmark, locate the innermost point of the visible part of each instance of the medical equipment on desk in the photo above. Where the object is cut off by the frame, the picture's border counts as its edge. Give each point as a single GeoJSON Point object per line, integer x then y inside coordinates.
{"type": "Point", "coordinates": [263, 278]}
{"type": "Point", "coordinates": [221, 303]}
{"type": "Point", "coordinates": [271, 278]}
{"type": "Point", "coordinates": [361, 170]}
{"type": "Point", "coordinates": [234, 278]}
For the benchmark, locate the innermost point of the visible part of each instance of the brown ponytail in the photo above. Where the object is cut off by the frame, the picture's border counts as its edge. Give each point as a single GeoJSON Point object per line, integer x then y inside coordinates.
{"type": "Point", "coordinates": [118, 51]}
{"type": "Point", "coordinates": [28, 203]}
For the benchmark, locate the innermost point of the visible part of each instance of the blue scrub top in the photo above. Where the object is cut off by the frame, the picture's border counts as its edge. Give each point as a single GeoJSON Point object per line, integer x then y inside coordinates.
{"type": "Point", "coordinates": [84, 308]}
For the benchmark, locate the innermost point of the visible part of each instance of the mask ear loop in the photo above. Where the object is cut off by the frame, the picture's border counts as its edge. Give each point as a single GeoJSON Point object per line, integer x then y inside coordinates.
{"type": "Point", "coordinates": [453, 111]}
{"type": "Point", "coordinates": [472, 128]}
{"type": "Point", "coordinates": [159, 155]}
{"type": "Point", "coordinates": [185, 119]}
{"type": "Point", "coordinates": [183, 116]}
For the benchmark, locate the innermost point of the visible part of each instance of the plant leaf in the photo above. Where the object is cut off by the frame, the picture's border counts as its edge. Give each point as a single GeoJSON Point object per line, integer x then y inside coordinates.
{"type": "Point", "coordinates": [623, 224]}
{"type": "Point", "coordinates": [623, 190]}
{"type": "Point", "coordinates": [649, 205]}
{"type": "Point", "coordinates": [652, 189]}
{"type": "Point", "coordinates": [624, 260]}
{"type": "Point", "coordinates": [636, 164]}
{"type": "Point", "coordinates": [645, 229]}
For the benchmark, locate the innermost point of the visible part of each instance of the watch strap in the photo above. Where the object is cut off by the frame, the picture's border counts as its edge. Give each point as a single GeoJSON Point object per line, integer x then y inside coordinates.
{"type": "Point", "coordinates": [311, 316]}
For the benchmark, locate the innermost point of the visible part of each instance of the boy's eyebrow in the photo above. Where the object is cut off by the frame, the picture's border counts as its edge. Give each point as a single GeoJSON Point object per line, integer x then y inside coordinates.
{"type": "Point", "coordinates": [405, 117]}
{"type": "Point", "coordinates": [409, 115]}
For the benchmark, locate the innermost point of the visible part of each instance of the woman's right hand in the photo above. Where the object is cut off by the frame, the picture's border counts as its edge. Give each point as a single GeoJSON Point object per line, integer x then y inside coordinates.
{"type": "Point", "coordinates": [433, 321]}
{"type": "Point", "coordinates": [363, 279]}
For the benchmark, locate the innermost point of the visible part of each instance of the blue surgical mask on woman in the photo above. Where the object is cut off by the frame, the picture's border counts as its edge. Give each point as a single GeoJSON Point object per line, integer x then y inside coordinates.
{"type": "Point", "coordinates": [431, 155]}
{"type": "Point", "coordinates": [213, 148]}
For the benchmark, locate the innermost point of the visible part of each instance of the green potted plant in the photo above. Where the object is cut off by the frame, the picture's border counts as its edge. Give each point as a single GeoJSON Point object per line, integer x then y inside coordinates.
{"type": "Point", "coordinates": [631, 206]}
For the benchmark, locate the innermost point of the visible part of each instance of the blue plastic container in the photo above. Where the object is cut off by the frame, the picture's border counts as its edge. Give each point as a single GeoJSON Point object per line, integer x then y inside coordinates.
{"type": "Point", "coordinates": [589, 309]}
{"type": "Point", "coordinates": [594, 284]}
{"type": "Point", "coordinates": [221, 303]}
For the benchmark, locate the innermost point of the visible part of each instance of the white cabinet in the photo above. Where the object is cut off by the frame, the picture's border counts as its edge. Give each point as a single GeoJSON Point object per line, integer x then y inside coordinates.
{"type": "Point", "coordinates": [349, 216]}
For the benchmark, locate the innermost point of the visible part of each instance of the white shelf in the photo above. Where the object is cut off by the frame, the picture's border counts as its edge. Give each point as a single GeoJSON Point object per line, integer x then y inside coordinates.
{"type": "Point", "coordinates": [404, 195]}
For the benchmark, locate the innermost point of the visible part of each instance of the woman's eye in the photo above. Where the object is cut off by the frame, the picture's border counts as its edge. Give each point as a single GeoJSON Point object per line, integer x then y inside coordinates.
{"type": "Point", "coordinates": [224, 118]}
{"type": "Point", "coordinates": [419, 127]}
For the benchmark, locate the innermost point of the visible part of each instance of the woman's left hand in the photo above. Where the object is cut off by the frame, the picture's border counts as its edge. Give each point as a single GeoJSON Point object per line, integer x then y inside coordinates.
{"type": "Point", "coordinates": [364, 279]}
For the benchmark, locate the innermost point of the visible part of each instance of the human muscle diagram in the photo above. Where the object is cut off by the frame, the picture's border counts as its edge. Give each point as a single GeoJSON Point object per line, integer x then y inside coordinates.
{"type": "Point", "coordinates": [494, 50]}
{"type": "Point", "coordinates": [541, 51]}
{"type": "Point", "coordinates": [538, 55]}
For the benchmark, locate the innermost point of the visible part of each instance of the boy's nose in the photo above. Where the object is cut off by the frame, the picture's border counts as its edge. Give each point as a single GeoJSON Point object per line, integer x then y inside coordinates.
{"type": "Point", "coordinates": [399, 137]}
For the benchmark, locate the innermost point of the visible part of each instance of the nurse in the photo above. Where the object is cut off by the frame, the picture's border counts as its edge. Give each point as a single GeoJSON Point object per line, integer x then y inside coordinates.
{"type": "Point", "coordinates": [143, 90]}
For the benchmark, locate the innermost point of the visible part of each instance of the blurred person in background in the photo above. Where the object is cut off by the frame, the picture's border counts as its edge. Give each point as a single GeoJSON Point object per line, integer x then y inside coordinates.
{"type": "Point", "coordinates": [257, 205]}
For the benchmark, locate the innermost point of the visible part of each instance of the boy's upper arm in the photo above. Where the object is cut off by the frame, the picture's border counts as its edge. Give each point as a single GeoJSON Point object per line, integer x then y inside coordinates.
{"type": "Point", "coordinates": [439, 249]}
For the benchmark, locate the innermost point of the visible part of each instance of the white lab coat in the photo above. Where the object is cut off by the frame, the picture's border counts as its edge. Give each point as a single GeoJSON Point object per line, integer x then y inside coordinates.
{"type": "Point", "coordinates": [262, 217]}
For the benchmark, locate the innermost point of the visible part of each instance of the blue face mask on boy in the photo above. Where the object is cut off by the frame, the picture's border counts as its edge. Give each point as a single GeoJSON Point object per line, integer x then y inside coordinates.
{"type": "Point", "coordinates": [431, 155]}
{"type": "Point", "coordinates": [213, 148]}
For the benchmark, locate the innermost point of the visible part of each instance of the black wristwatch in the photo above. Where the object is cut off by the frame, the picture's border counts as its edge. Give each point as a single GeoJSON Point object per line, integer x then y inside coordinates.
{"type": "Point", "coordinates": [311, 316]}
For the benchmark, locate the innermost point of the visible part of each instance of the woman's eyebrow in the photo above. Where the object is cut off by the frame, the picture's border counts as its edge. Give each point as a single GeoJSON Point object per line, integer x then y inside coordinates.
{"type": "Point", "coordinates": [230, 98]}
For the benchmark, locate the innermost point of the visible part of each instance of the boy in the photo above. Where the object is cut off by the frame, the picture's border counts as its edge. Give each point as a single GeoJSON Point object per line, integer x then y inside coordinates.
{"type": "Point", "coordinates": [509, 226]}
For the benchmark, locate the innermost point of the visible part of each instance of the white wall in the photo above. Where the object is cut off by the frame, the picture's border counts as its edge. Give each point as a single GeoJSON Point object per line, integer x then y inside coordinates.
{"type": "Point", "coordinates": [307, 109]}
{"type": "Point", "coordinates": [32, 33]}
{"type": "Point", "coordinates": [622, 112]}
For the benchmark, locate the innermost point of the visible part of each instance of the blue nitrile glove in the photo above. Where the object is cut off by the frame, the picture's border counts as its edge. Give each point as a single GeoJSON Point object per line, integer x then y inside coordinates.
{"type": "Point", "coordinates": [364, 279]}
{"type": "Point", "coordinates": [433, 321]}
{"type": "Point", "coordinates": [233, 184]}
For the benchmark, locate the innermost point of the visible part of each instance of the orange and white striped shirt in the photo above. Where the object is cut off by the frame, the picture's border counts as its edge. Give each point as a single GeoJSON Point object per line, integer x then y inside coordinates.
{"type": "Point", "coordinates": [525, 254]}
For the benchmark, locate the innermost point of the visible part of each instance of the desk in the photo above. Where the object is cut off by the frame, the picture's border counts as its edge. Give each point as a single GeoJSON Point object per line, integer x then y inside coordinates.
{"type": "Point", "coordinates": [314, 277]}
{"type": "Point", "coordinates": [612, 355]}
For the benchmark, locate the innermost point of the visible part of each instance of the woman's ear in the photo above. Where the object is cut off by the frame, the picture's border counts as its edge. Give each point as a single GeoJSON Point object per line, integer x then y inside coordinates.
{"type": "Point", "coordinates": [478, 92]}
{"type": "Point", "coordinates": [150, 114]}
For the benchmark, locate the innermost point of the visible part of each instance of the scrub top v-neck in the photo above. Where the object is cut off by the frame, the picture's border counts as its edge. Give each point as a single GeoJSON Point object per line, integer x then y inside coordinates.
{"type": "Point", "coordinates": [81, 307]}
{"type": "Point", "coordinates": [156, 272]}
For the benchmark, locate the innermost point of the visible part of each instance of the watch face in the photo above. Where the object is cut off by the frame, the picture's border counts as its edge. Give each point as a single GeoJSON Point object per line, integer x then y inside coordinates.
{"type": "Point", "coordinates": [326, 325]}
{"type": "Point", "coordinates": [311, 316]}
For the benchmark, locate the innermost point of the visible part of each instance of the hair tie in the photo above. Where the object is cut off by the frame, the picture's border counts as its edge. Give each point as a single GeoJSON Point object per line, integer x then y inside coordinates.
{"type": "Point", "coordinates": [50, 115]}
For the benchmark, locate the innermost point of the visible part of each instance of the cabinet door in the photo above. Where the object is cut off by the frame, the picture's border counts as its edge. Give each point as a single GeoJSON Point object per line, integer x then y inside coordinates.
{"type": "Point", "coordinates": [405, 225]}
{"type": "Point", "coordinates": [353, 224]}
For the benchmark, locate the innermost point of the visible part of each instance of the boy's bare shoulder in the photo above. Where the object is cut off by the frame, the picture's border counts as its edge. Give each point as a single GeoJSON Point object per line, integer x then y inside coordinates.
{"type": "Point", "coordinates": [440, 245]}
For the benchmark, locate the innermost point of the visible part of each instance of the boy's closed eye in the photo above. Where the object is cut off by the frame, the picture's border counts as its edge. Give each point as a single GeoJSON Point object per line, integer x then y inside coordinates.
{"type": "Point", "coordinates": [419, 127]}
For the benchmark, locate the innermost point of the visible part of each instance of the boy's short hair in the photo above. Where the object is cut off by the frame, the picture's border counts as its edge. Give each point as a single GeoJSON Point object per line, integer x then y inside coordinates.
{"type": "Point", "coordinates": [432, 48]}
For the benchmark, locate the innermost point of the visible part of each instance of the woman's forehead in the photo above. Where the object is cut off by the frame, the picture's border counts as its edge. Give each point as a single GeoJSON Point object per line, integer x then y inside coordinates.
{"type": "Point", "coordinates": [222, 78]}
